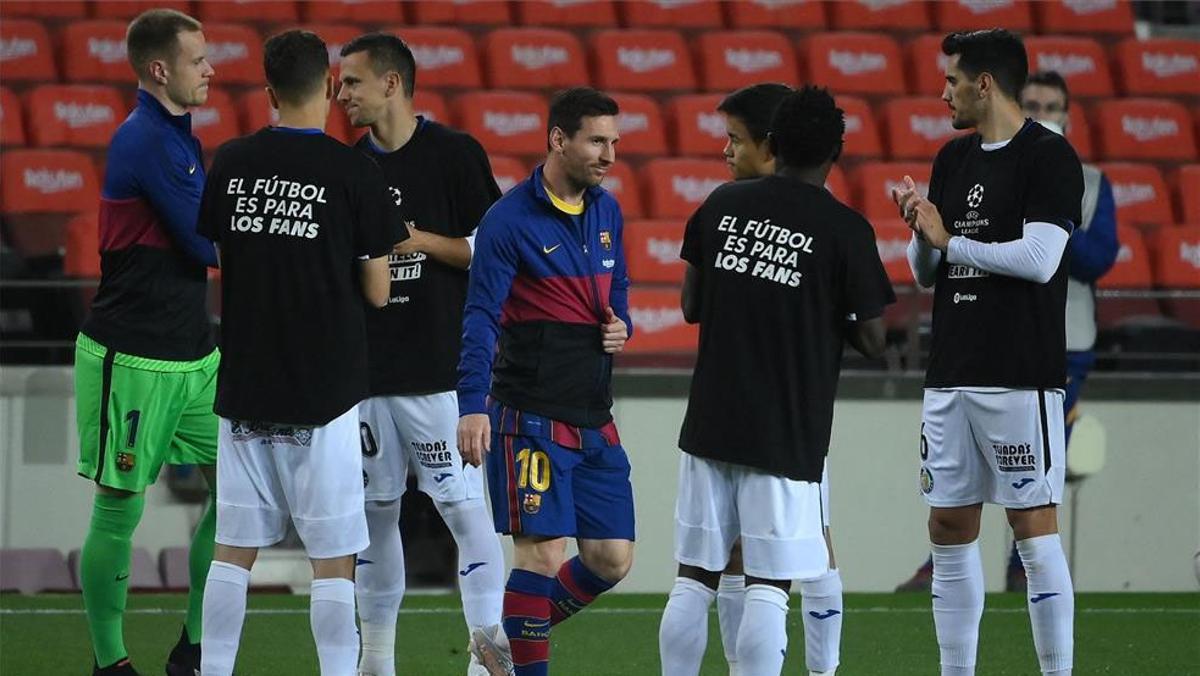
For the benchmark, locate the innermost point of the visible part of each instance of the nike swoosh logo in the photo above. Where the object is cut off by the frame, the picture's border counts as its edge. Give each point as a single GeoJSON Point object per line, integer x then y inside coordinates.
{"type": "Point", "coordinates": [123, 577]}
{"type": "Point", "coordinates": [359, 562]}
{"type": "Point", "coordinates": [1042, 597]}
{"type": "Point", "coordinates": [1022, 483]}
{"type": "Point", "coordinates": [550, 249]}
{"type": "Point", "coordinates": [825, 615]}
{"type": "Point", "coordinates": [191, 170]}
{"type": "Point", "coordinates": [471, 567]}
{"type": "Point", "coordinates": [442, 477]}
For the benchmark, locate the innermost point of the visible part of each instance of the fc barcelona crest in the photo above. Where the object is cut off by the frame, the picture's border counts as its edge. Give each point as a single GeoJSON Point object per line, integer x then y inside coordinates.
{"type": "Point", "coordinates": [533, 503]}
{"type": "Point", "coordinates": [126, 461]}
{"type": "Point", "coordinates": [606, 240]}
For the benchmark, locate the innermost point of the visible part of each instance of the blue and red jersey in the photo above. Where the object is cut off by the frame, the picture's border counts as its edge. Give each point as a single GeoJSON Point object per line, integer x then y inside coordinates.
{"type": "Point", "coordinates": [152, 300]}
{"type": "Point", "coordinates": [541, 281]}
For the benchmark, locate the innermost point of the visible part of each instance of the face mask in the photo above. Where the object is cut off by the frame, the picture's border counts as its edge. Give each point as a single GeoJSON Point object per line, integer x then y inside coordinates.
{"type": "Point", "coordinates": [1052, 126]}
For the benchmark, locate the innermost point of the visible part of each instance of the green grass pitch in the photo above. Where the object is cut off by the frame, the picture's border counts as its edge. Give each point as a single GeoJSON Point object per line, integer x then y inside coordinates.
{"type": "Point", "coordinates": [884, 634]}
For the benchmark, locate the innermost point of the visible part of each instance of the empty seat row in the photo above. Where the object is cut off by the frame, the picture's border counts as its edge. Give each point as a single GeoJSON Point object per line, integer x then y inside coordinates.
{"type": "Point", "coordinates": [1073, 16]}
{"type": "Point", "coordinates": [44, 569]}
{"type": "Point", "coordinates": [644, 60]}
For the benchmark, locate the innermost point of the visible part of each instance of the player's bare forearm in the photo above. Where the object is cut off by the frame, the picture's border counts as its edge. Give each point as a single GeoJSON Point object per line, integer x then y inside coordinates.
{"type": "Point", "coordinates": [869, 337]}
{"type": "Point", "coordinates": [689, 300]}
{"type": "Point", "coordinates": [452, 251]}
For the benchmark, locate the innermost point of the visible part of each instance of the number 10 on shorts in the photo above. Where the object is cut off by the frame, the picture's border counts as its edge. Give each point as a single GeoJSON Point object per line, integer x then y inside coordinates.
{"type": "Point", "coordinates": [533, 470]}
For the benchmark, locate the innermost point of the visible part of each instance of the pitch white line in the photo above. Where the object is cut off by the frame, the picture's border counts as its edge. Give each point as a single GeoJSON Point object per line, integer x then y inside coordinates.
{"type": "Point", "coordinates": [606, 611]}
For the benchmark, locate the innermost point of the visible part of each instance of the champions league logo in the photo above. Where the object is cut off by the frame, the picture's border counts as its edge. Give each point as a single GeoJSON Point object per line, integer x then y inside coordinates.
{"type": "Point", "coordinates": [975, 196]}
{"type": "Point", "coordinates": [396, 195]}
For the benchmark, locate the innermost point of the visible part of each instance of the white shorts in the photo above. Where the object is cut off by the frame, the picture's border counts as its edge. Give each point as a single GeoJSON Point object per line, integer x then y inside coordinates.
{"type": "Point", "coordinates": [778, 519]}
{"type": "Point", "coordinates": [420, 432]}
{"type": "Point", "coordinates": [267, 473]}
{"type": "Point", "coordinates": [1006, 447]}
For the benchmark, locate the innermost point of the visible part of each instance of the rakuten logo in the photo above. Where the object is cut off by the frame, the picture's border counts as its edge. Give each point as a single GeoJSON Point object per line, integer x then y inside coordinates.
{"type": "Point", "coordinates": [1169, 65]}
{"type": "Point", "coordinates": [1190, 254]}
{"type": "Point", "coordinates": [106, 51]}
{"type": "Point", "coordinates": [1124, 254]}
{"type": "Point", "coordinates": [78, 115]}
{"type": "Point", "coordinates": [505, 182]}
{"type": "Point", "coordinates": [752, 60]}
{"type": "Point", "coordinates": [1126, 194]}
{"type": "Point", "coordinates": [877, 5]}
{"type": "Point", "coordinates": [536, 57]}
{"type": "Point", "coordinates": [656, 319]}
{"type": "Point", "coordinates": [1066, 64]}
{"type": "Point", "coordinates": [1085, 7]}
{"type": "Point", "coordinates": [854, 124]}
{"type": "Point", "coordinates": [17, 48]}
{"type": "Point", "coordinates": [711, 123]}
{"type": "Point", "coordinates": [1149, 129]}
{"type": "Point", "coordinates": [856, 63]}
{"type": "Point", "coordinates": [892, 250]}
{"type": "Point", "coordinates": [641, 60]}
{"type": "Point", "coordinates": [52, 181]}
{"type": "Point", "coordinates": [922, 187]}
{"type": "Point", "coordinates": [511, 124]}
{"type": "Point", "coordinates": [694, 189]}
{"type": "Point", "coordinates": [629, 123]}
{"type": "Point", "coordinates": [665, 251]}
{"type": "Point", "coordinates": [205, 117]}
{"type": "Point", "coordinates": [227, 52]}
{"type": "Point", "coordinates": [985, 6]}
{"type": "Point", "coordinates": [931, 128]}
{"type": "Point", "coordinates": [437, 56]}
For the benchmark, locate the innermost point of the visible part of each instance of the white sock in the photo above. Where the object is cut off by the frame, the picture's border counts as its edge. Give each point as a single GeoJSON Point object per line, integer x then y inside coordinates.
{"type": "Point", "coordinates": [731, 601]}
{"type": "Point", "coordinates": [1051, 602]}
{"type": "Point", "coordinates": [224, 612]}
{"type": "Point", "coordinates": [683, 632]}
{"type": "Point", "coordinates": [481, 558]}
{"type": "Point", "coordinates": [957, 605]}
{"type": "Point", "coordinates": [821, 603]}
{"type": "Point", "coordinates": [379, 586]}
{"type": "Point", "coordinates": [762, 639]}
{"type": "Point", "coordinates": [331, 614]}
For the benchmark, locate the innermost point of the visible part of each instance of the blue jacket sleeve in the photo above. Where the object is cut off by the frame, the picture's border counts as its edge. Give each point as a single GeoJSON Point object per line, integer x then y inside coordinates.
{"type": "Point", "coordinates": [493, 268]}
{"type": "Point", "coordinates": [618, 296]}
{"type": "Point", "coordinates": [1094, 249]}
{"type": "Point", "coordinates": [176, 199]}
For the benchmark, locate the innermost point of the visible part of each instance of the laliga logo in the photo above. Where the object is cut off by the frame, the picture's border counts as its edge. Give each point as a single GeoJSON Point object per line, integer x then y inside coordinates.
{"type": "Point", "coordinates": [931, 128]}
{"type": "Point", "coordinates": [16, 48]}
{"type": "Point", "coordinates": [48, 181]}
{"type": "Point", "coordinates": [1132, 193]}
{"type": "Point", "coordinates": [752, 60]}
{"type": "Point", "coordinates": [1066, 64]}
{"type": "Point", "coordinates": [975, 197]}
{"type": "Point", "coordinates": [82, 115]}
{"type": "Point", "coordinates": [655, 320]}
{"type": "Point", "coordinates": [694, 189]}
{"type": "Point", "coordinates": [511, 124]}
{"type": "Point", "coordinates": [224, 52]}
{"type": "Point", "coordinates": [439, 56]}
{"type": "Point", "coordinates": [711, 124]}
{"type": "Point", "coordinates": [965, 298]}
{"type": "Point", "coordinates": [535, 57]}
{"type": "Point", "coordinates": [641, 60]}
{"type": "Point", "coordinates": [1144, 129]}
{"type": "Point", "coordinates": [108, 51]}
{"type": "Point", "coordinates": [1169, 65]}
{"type": "Point", "coordinates": [856, 63]}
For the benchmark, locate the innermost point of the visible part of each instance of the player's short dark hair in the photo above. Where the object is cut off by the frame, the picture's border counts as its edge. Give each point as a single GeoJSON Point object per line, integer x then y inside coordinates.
{"type": "Point", "coordinates": [569, 106]}
{"type": "Point", "coordinates": [754, 106]}
{"type": "Point", "coordinates": [387, 52]}
{"type": "Point", "coordinates": [296, 63]}
{"type": "Point", "coordinates": [996, 51]}
{"type": "Point", "coordinates": [154, 34]}
{"type": "Point", "coordinates": [807, 128]}
{"type": "Point", "coordinates": [1052, 79]}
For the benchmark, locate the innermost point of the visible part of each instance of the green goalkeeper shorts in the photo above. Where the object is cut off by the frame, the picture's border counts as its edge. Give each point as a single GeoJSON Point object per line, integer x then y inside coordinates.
{"type": "Point", "coordinates": [134, 414]}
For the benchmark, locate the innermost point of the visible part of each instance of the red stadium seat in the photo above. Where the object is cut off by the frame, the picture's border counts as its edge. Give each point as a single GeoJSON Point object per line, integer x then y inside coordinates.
{"type": "Point", "coordinates": [728, 60]}
{"type": "Point", "coordinates": [658, 323]}
{"type": "Point", "coordinates": [445, 56]}
{"type": "Point", "coordinates": [432, 106]}
{"type": "Point", "coordinates": [1176, 254]}
{"type": "Point", "coordinates": [1140, 193]}
{"type": "Point", "coordinates": [874, 182]}
{"type": "Point", "coordinates": [671, 13]}
{"type": "Point", "coordinates": [643, 60]}
{"type": "Point", "coordinates": [901, 15]}
{"type": "Point", "coordinates": [263, 11]}
{"type": "Point", "coordinates": [25, 52]}
{"type": "Point", "coordinates": [652, 251]}
{"type": "Point", "coordinates": [357, 11]}
{"type": "Point", "coordinates": [62, 9]}
{"type": "Point", "coordinates": [854, 63]}
{"type": "Point", "coordinates": [334, 35]}
{"type": "Point", "coordinates": [675, 187]}
{"type": "Point", "coordinates": [39, 187]}
{"type": "Point", "coordinates": [891, 238]}
{"type": "Point", "coordinates": [623, 184]}
{"type": "Point", "coordinates": [641, 125]}
{"type": "Point", "coordinates": [94, 51]}
{"type": "Point", "coordinates": [74, 115]}
{"type": "Point", "coordinates": [510, 123]}
{"type": "Point", "coordinates": [1159, 67]}
{"type": "Point", "coordinates": [508, 171]}
{"type": "Point", "coordinates": [461, 12]}
{"type": "Point", "coordinates": [216, 121]}
{"type": "Point", "coordinates": [567, 13]}
{"type": "Point", "coordinates": [699, 130]}
{"type": "Point", "coordinates": [82, 256]}
{"type": "Point", "coordinates": [256, 112]}
{"type": "Point", "coordinates": [1145, 129]}
{"type": "Point", "coordinates": [235, 52]}
{"type": "Point", "coordinates": [1079, 132]}
{"type": "Point", "coordinates": [12, 131]}
{"type": "Point", "coordinates": [128, 9]}
{"type": "Point", "coordinates": [862, 134]}
{"type": "Point", "coordinates": [1081, 61]}
{"type": "Point", "coordinates": [1187, 188]}
{"type": "Point", "coordinates": [1084, 16]}
{"type": "Point", "coordinates": [837, 186]}
{"type": "Point", "coordinates": [785, 14]}
{"type": "Point", "coordinates": [958, 15]}
{"type": "Point", "coordinates": [926, 65]}
{"type": "Point", "coordinates": [1132, 268]}
{"type": "Point", "coordinates": [534, 58]}
{"type": "Point", "coordinates": [917, 127]}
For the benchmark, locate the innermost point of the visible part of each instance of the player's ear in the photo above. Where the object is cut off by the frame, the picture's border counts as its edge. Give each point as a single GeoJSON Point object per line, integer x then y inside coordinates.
{"type": "Point", "coordinates": [558, 139]}
{"type": "Point", "coordinates": [158, 71]}
{"type": "Point", "coordinates": [986, 84]}
{"type": "Point", "coordinates": [329, 87]}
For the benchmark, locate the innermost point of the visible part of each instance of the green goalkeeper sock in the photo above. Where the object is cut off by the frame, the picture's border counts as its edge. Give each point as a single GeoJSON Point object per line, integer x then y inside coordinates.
{"type": "Point", "coordinates": [104, 571]}
{"type": "Point", "coordinates": [199, 559]}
